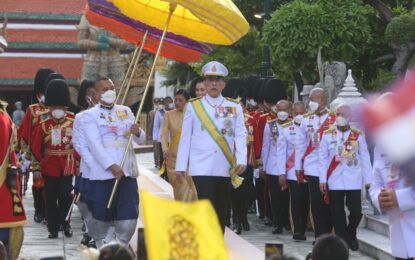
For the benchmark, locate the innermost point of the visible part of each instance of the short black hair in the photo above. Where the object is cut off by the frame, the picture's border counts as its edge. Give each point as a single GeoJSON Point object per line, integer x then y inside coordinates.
{"type": "Point", "coordinates": [83, 90]}
{"type": "Point", "coordinates": [167, 98]}
{"type": "Point", "coordinates": [184, 93]}
{"type": "Point", "coordinates": [195, 81]}
{"type": "Point", "coordinates": [329, 247]}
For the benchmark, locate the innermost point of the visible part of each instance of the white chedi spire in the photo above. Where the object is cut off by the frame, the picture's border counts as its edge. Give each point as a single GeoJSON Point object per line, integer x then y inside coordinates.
{"type": "Point", "coordinates": [349, 94]}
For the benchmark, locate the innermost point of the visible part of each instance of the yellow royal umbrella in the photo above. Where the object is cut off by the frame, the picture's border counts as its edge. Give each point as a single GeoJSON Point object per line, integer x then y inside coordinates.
{"type": "Point", "coordinates": [210, 21]}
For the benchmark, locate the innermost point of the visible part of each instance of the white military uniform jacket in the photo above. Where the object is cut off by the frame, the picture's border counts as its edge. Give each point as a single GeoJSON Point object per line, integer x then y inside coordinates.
{"type": "Point", "coordinates": [198, 149]}
{"type": "Point", "coordinates": [286, 149]}
{"type": "Point", "coordinates": [401, 220]}
{"type": "Point", "coordinates": [308, 132]}
{"type": "Point", "coordinates": [353, 156]}
{"type": "Point", "coordinates": [106, 132]}
{"type": "Point", "coordinates": [158, 124]}
{"type": "Point", "coordinates": [270, 138]}
{"type": "Point", "coordinates": [81, 146]}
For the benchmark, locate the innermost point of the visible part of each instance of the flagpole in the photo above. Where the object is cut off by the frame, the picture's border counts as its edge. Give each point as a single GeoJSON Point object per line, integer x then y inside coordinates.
{"type": "Point", "coordinates": [126, 74]}
{"type": "Point", "coordinates": [143, 41]}
{"type": "Point", "coordinates": [140, 108]}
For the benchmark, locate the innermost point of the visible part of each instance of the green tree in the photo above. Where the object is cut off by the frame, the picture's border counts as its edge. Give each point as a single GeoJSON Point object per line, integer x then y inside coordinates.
{"type": "Point", "coordinates": [298, 29]}
{"type": "Point", "coordinates": [178, 74]}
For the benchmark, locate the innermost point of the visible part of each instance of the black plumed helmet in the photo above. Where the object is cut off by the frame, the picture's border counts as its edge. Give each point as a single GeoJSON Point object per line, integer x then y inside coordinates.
{"type": "Point", "coordinates": [232, 86]}
{"type": "Point", "coordinates": [250, 85]}
{"type": "Point", "coordinates": [274, 91]}
{"type": "Point", "coordinates": [57, 93]}
{"type": "Point", "coordinates": [40, 80]}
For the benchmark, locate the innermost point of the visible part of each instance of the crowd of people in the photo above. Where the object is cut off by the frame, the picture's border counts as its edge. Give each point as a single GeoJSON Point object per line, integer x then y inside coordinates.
{"type": "Point", "coordinates": [239, 143]}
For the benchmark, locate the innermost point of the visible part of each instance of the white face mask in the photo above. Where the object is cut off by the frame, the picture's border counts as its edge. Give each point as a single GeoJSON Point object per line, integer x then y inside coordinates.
{"type": "Point", "coordinates": [313, 106]}
{"type": "Point", "coordinates": [298, 119]}
{"type": "Point", "coordinates": [282, 115]}
{"type": "Point", "coordinates": [274, 109]}
{"type": "Point", "coordinates": [42, 99]}
{"type": "Point", "coordinates": [341, 121]}
{"type": "Point", "coordinates": [58, 113]}
{"type": "Point", "coordinates": [172, 106]}
{"type": "Point", "coordinates": [109, 96]}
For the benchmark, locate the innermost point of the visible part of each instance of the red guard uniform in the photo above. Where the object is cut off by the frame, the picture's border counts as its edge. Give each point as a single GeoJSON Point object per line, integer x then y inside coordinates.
{"type": "Point", "coordinates": [12, 214]}
{"type": "Point", "coordinates": [55, 157]}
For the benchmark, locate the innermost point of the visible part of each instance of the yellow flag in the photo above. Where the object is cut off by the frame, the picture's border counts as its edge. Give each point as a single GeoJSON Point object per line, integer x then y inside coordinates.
{"type": "Point", "coordinates": [178, 230]}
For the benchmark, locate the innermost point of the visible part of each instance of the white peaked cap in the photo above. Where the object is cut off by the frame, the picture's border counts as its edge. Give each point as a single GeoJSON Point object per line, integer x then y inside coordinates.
{"type": "Point", "coordinates": [214, 68]}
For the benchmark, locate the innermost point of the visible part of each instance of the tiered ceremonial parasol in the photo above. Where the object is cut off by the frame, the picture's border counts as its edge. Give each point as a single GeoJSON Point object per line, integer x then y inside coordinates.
{"type": "Point", "coordinates": [210, 21]}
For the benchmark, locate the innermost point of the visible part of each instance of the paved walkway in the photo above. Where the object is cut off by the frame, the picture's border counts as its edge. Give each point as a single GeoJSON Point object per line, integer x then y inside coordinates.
{"type": "Point", "coordinates": [36, 244]}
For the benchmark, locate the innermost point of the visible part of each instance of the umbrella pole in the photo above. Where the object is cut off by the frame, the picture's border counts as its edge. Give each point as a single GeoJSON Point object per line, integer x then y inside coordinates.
{"type": "Point", "coordinates": [140, 108]}
{"type": "Point", "coordinates": [137, 60]}
{"type": "Point", "coordinates": [126, 74]}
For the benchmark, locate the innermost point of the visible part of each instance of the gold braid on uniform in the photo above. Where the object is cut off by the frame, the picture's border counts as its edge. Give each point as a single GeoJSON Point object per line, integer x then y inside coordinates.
{"type": "Point", "coordinates": [16, 236]}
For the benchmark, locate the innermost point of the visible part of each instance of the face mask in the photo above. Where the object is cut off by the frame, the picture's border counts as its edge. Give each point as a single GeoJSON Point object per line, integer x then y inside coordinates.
{"type": "Point", "coordinates": [282, 115]}
{"type": "Point", "coordinates": [341, 121]}
{"type": "Point", "coordinates": [313, 106]}
{"type": "Point", "coordinates": [109, 96]}
{"type": "Point", "coordinates": [171, 106]}
{"type": "Point", "coordinates": [58, 113]}
{"type": "Point", "coordinates": [274, 109]}
{"type": "Point", "coordinates": [252, 102]}
{"type": "Point", "coordinates": [298, 119]}
{"type": "Point", "coordinates": [42, 99]}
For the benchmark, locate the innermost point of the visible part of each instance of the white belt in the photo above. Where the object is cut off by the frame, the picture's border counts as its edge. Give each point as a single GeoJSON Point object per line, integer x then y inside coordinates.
{"type": "Point", "coordinates": [114, 144]}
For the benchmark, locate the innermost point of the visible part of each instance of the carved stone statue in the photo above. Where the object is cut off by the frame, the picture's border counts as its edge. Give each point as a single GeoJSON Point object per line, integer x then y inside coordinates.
{"type": "Point", "coordinates": [103, 58]}
{"type": "Point", "coordinates": [3, 36]}
{"type": "Point", "coordinates": [332, 76]}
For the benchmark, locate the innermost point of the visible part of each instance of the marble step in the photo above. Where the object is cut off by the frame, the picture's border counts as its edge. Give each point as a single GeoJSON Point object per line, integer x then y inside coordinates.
{"type": "Point", "coordinates": [378, 224]}
{"type": "Point", "coordinates": [374, 244]}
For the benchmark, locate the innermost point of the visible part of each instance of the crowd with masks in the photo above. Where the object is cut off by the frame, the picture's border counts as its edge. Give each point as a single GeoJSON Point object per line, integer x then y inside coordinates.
{"type": "Point", "coordinates": [237, 142]}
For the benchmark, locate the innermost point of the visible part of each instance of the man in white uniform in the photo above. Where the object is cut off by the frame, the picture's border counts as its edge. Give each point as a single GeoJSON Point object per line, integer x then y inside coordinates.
{"type": "Point", "coordinates": [344, 164]}
{"type": "Point", "coordinates": [107, 127]}
{"type": "Point", "coordinates": [213, 142]}
{"type": "Point", "coordinates": [309, 135]}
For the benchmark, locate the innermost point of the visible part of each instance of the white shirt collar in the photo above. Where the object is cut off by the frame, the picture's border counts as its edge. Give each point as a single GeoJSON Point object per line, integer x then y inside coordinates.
{"type": "Point", "coordinates": [214, 101]}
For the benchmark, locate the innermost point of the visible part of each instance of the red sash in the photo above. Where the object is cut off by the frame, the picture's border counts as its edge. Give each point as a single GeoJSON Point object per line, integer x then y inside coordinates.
{"type": "Point", "coordinates": [325, 126]}
{"type": "Point", "coordinates": [353, 136]}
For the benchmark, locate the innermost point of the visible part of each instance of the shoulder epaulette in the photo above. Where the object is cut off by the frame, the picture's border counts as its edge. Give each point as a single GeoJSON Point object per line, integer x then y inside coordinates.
{"type": "Point", "coordinates": [70, 119]}
{"type": "Point", "coordinates": [355, 130]}
{"type": "Point", "coordinates": [289, 123]}
{"type": "Point", "coordinates": [266, 114]}
{"type": "Point", "coordinates": [44, 119]}
{"type": "Point", "coordinates": [330, 131]}
{"type": "Point", "coordinates": [232, 100]}
{"type": "Point", "coordinates": [69, 112]}
{"type": "Point", "coordinates": [332, 113]}
{"type": "Point", "coordinates": [248, 116]}
{"type": "Point", "coordinates": [308, 114]}
{"type": "Point", "coordinates": [271, 120]}
{"type": "Point", "coordinates": [194, 99]}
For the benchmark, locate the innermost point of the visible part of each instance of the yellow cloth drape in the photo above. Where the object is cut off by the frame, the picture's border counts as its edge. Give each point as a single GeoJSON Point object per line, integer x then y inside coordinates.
{"type": "Point", "coordinates": [172, 125]}
{"type": "Point", "coordinates": [179, 230]}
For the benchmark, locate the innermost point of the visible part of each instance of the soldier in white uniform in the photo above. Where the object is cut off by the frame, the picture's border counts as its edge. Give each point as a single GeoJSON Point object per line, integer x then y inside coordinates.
{"type": "Point", "coordinates": [344, 164]}
{"type": "Point", "coordinates": [213, 142]}
{"type": "Point", "coordinates": [309, 136]}
{"type": "Point", "coordinates": [279, 196]}
{"type": "Point", "coordinates": [298, 187]}
{"type": "Point", "coordinates": [394, 194]}
{"type": "Point", "coordinates": [107, 127]}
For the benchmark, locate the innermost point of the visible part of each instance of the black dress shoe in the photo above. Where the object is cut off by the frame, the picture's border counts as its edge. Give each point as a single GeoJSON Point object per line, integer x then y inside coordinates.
{"type": "Point", "coordinates": [67, 231]}
{"type": "Point", "coordinates": [299, 237]}
{"type": "Point", "coordinates": [246, 225]}
{"type": "Point", "coordinates": [38, 217]}
{"type": "Point", "coordinates": [92, 244]}
{"type": "Point", "coordinates": [354, 244]}
{"type": "Point", "coordinates": [277, 230]}
{"type": "Point", "coordinates": [86, 239]}
{"type": "Point", "coordinates": [237, 228]}
{"type": "Point", "coordinates": [83, 227]}
{"type": "Point", "coordinates": [53, 235]}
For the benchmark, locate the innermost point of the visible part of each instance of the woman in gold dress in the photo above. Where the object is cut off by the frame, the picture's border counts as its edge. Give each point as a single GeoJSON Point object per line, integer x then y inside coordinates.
{"type": "Point", "coordinates": [170, 138]}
